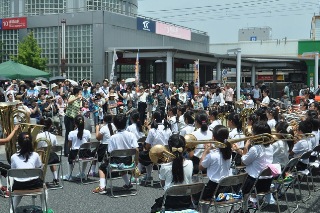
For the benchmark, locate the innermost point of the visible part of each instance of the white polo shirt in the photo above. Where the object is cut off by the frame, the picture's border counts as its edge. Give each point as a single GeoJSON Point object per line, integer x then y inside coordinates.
{"type": "Point", "coordinates": [234, 134]}
{"type": "Point", "coordinates": [214, 123]}
{"type": "Point", "coordinates": [49, 136]}
{"type": "Point", "coordinates": [187, 130]}
{"type": "Point", "coordinates": [272, 123]}
{"type": "Point", "coordinates": [158, 136]}
{"type": "Point", "coordinates": [134, 129]}
{"type": "Point", "coordinates": [76, 142]}
{"type": "Point", "coordinates": [301, 147]}
{"type": "Point", "coordinates": [18, 162]}
{"type": "Point", "coordinates": [105, 132]}
{"type": "Point", "coordinates": [257, 159]}
{"type": "Point", "coordinates": [122, 140]}
{"type": "Point", "coordinates": [280, 152]}
{"type": "Point", "coordinates": [207, 135]}
{"type": "Point", "coordinates": [217, 167]}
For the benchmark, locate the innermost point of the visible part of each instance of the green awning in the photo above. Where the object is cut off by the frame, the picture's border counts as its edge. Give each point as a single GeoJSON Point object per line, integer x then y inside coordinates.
{"type": "Point", "coordinates": [13, 70]}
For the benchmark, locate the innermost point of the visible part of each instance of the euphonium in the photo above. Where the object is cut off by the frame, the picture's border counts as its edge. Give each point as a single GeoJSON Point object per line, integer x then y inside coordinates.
{"type": "Point", "coordinates": [159, 154]}
{"type": "Point", "coordinates": [44, 153]}
{"type": "Point", "coordinates": [192, 142]}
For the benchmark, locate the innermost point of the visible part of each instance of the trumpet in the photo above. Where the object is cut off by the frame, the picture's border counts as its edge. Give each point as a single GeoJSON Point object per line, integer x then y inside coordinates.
{"type": "Point", "coordinates": [192, 142]}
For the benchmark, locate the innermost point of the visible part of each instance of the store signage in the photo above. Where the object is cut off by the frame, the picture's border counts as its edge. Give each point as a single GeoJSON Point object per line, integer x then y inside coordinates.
{"type": "Point", "coordinates": [173, 31]}
{"type": "Point", "coordinates": [270, 77]}
{"type": "Point", "coordinates": [146, 25]}
{"type": "Point", "coordinates": [13, 23]}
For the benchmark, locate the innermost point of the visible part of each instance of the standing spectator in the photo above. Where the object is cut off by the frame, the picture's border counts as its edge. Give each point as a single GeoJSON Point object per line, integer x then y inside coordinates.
{"type": "Point", "coordinates": [112, 102]}
{"type": "Point", "coordinates": [32, 92]}
{"type": "Point", "coordinates": [229, 92]}
{"type": "Point", "coordinates": [85, 91]}
{"type": "Point", "coordinates": [54, 90]}
{"type": "Point", "coordinates": [162, 101]}
{"type": "Point", "coordinates": [105, 90]}
{"type": "Point", "coordinates": [95, 111]}
{"type": "Point", "coordinates": [182, 95]}
{"type": "Point", "coordinates": [142, 103]}
{"type": "Point", "coordinates": [256, 92]}
{"type": "Point", "coordinates": [72, 110]}
{"type": "Point", "coordinates": [166, 90]}
{"type": "Point", "coordinates": [121, 89]}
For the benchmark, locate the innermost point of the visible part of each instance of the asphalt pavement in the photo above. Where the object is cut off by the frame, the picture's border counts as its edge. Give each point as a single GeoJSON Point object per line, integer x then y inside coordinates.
{"type": "Point", "coordinates": [75, 197]}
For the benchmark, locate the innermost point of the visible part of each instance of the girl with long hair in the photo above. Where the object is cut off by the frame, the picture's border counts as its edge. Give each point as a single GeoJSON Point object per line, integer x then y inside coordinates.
{"type": "Point", "coordinates": [136, 126]}
{"type": "Point", "coordinates": [235, 125]}
{"type": "Point", "coordinates": [272, 115]}
{"type": "Point", "coordinates": [179, 171]}
{"type": "Point", "coordinates": [213, 116]}
{"type": "Point", "coordinates": [76, 138]}
{"type": "Point", "coordinates": [180, 117]}
{"type": "Point", "coordinates": [103, 134]}
{"type": "Point", "coordinates": [217, 162]}
{"type": "Point", "coordinates": [280, 147]}
{"type": "Point", "coordinates": [25, 158]}
{"type": "Point", "coordinates": [173, 119]}
{"type": "Point", "coordinates": [202, 133]}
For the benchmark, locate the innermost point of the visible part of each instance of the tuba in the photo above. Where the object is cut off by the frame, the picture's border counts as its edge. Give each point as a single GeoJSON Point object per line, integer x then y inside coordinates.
{"type": "Point", "coordinates": [9, 115]}
{"type": "Point", "coordinates": [44, 153]}
{"type": "Point", "coordinates": [159, 154]}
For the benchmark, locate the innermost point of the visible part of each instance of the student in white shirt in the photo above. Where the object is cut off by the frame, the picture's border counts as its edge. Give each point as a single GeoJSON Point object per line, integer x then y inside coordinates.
{"type": "Point", "coordinates": [280, 147]}
{"type": "Point", "coordinates": [179, 171]}
{"type": "Point", "coordinates": [54, 142]}
{"type": "Point", "coordinates": [272, 115]}
{"type": "Point", "coordinates": [121, 140]}
{"type": "Point", "coordinates": [256, 159]}
{"type": "Point", "coordinates": [142, 103]}
{"type": "Point", "coordinates": [158, 134]}
{"type": "Point", "coordinates": [235, 125]}
{"type": "Point", "coordinates": [303, 145]}
{"type": "Point", "coordinates": [76, 138]}
{"type": "Point", "coordinates": [213, 116]}
{"type": "Point", "coordinates": [172, 119]}
{"type": "Point", "coordinates": [314, 140]}
{"type": "Point", "coordinates": [216, 161]}
{"type": "Point", "coordinates": [189, 121]}
{"type": "Point", "coordinates": [249, 102]}
{"type": "Point", "coordinates": [26, 158]}
{"type": "Point", "coordinates": [136, 126]}
{"type": "Point", "coordinates": [180, 117]}
{"type": "Point", "coordinates": [103, 134]}
{"type": "Point", "coordinates": [202, 133]}
{"type": "Point", "coordinates": [266, 100]}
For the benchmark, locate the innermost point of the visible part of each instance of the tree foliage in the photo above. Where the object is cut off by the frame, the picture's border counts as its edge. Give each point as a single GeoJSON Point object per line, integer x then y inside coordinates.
{"type": "Point", "coordinates": [29, 53]}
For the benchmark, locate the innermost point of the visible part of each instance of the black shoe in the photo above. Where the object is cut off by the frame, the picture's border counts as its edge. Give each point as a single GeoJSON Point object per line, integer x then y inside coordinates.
{"type": "Point", "coordinates": [55, 182]}
{"type": "Point", "coordinates": [127, 186]}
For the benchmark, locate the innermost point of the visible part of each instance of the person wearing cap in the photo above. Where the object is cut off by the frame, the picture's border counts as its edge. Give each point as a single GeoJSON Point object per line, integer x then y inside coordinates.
{"type": "Point", "coordinates": [112, 102]}
{"type": "Point", "coordinates": [54, 90]}
{"type": "Point", "coordinates": [142, 103]}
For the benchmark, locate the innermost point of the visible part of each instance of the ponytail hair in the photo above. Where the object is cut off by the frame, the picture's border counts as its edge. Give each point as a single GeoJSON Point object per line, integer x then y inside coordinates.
{"type": "Point", "coordinates": [202, 119]}
{"type": "Point", "coordinates": [156, 119]}
{"type": "Point", "coordinates": [107, 118]}
{"type": "Point", "coordinates": [135, 117]}
{"type": "Point", "coordinates": [79, 122]}
{"type": "Point", "coordinates": [25, 144]}
{"type": "Point", "coordinates": [221, 134]}
{"type": "Point", "coordinates": [177, 145]}
{"type": "Point", "coordinates": [189, 117]}
{"type": "Point", "coordinates": [235, 118]}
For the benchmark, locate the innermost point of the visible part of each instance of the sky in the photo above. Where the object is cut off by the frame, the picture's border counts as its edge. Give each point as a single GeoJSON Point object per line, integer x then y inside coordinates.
{"type": "Point", "coordinates": [223, 19]}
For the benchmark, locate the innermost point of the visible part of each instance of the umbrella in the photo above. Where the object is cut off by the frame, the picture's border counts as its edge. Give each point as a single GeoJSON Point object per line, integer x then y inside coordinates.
{"type": "Point", "coordinates": [42, 79]}
{"type": "Point", "coordinates": [214, 82]}
{"type": "Point", "coordinates": [56, 79]}
{"type": "Point", "coordinates": [130, 80]}
{"type": "Point", "coordinates": [73, 83]}
{"type": "Point", "coordinates": [13, 70]}
{"type": "Point", "coordinates": [4, 79]}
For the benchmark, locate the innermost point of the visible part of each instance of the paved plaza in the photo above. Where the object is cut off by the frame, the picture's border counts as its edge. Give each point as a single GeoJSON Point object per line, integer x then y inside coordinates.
{"type": "Point", "coordinates": [78, 198]}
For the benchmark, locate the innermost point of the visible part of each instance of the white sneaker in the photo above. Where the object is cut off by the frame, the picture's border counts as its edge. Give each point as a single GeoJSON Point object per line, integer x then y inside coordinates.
{"type": "Point", "coordinates": [66, 177]}
{"type": "Point", "coordinates": [81, 175]}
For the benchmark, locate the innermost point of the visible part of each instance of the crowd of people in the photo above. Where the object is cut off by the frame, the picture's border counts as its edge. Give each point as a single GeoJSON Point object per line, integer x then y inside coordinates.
{"type": "Point", "coordinates": [164, 114]}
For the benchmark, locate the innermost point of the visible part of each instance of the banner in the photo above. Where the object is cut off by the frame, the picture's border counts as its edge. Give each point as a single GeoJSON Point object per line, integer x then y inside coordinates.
{"type": "Point", "coordinates": [137, 69]}
{"type": "Point", "coordinates": [196, 77]}
{"type": "Point", "coordinates": [173, 31]}
{"type": "Point", "coordinates": [13, 23]}
{"type": "Point", "coordinates": [115, 58]}
{"type": "Point", "coordinates": [146, 25]}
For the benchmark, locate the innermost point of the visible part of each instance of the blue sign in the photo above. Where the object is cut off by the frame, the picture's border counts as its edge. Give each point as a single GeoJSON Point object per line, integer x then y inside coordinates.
{"type": "Point", "coordinates": [253, 38]}
{"type": "Point", "coordinates": [146, 25]}
{"type": "Point", "coordinates": [0, 24]}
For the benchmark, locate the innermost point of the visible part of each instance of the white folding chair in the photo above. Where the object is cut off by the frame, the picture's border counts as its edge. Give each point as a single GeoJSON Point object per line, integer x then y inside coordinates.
{"type": "Point", "coordinates": [182, 190]}
{"type": "Point", "coordinates": [281, 183]}
{"type": "Point", "coordinates": [315, 165]}
{"type": "Point", "coordinates": [27, 173]}
{"type": "Point", "coordinates": [235, 184]}
{"type": "Point", "coordinates": [58, 151]}
{"type": "Point", "coordinates": [122, 153]}
{"type": "Point", "coordinates": [92, 148]}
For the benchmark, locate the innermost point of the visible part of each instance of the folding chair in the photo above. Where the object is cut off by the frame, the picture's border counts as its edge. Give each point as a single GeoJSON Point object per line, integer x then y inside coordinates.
{"type": "Point", "coordinates": [235, 183]}
{"type": "Point", "coordinates": [281, 183]}
{"type": "Point", "coordinates": [122, 153]}
{"type": "Point", "coordinates": [315, 165]}
{"type": "Point", "coordinates": [305, 173]}
{"type": "Point", "coordinates": [267, 174]}
{"type": "Point", "coordinates": [91, 147]}
{"type": "Point", "coordinates": [27, 173]}
{"type": "Point", "coordinates": [182, 190]}
{"type": "Point", "coordinates": [58, 151]}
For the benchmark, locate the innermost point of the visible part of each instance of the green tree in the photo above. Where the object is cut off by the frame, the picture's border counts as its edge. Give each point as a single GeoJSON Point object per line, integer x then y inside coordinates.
{"type": "Point", "coordinates": [29, 53]}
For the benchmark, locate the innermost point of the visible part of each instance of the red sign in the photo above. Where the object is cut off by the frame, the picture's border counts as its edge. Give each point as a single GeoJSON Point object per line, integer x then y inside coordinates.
{"type": "Point", "coordinates": [14, 23]}
{"type": "Point", "coordinates": [270, 78]}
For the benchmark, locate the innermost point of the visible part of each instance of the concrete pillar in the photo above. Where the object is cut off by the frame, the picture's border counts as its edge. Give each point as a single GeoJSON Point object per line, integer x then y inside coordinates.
{"type": "Point", "coordinates": [253, 75]}
{"type": "Point", "coordinates": [218, 72]}
{"type": "Point", "coordinates": [238, 73]}
{"type": "Point", "coordinates": [316, 70]}
{"type": "Point", "coordinates": [169, 70]}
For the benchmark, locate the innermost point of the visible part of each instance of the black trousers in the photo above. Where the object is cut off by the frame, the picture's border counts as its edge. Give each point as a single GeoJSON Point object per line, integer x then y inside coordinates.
{"type": "Point", "coordinates": [142, 106]}
{"type": "Point", "coordinates": [69, 124]}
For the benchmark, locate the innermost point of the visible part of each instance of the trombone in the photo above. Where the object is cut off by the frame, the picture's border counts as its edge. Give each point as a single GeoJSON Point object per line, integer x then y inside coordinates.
{"type": "Point", "coordinates": [192, 142]}
{"type": "Point", "coordinates": [265, 138]}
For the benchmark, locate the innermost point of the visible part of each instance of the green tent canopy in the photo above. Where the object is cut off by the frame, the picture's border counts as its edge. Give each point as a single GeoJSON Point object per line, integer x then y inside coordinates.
{"type": "Point", "coordinates": [13, 70]}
